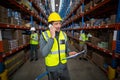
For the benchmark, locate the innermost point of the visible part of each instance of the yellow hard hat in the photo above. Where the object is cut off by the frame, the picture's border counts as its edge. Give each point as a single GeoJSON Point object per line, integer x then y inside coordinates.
{"type": "Point", "coordinates": [54, 17]}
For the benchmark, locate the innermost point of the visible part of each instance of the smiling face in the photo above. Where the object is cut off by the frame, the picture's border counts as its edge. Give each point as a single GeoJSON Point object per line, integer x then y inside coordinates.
{"type": "Point", "coordinates": [57, 25]}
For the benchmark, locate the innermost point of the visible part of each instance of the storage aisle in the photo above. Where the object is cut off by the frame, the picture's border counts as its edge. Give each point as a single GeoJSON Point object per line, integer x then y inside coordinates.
{"type": "Point", "coordinates": [78, 69]}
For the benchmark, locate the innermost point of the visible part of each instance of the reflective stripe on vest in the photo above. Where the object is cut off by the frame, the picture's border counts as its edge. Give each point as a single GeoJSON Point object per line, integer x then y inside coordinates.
{"type": "Point", "coordinates": [53, 57]}
{"type": "Point", "coordinates": [56, 52]}
{"type": "Point", "coordinates": [34, 39]}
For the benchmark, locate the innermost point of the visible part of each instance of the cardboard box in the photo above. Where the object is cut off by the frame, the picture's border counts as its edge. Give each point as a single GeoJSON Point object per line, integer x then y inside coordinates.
{"type": "Point", "coordinates": [20, 42]}
{"type": "Point", "coordinates": [113, 18]}
{"type": "Point", "coordinates": [8, 34]}
{"type": "Point", "coordinates": [5, 45]}
{"type": "Point", "coordinates": [11, 20]}
{"type": "Point", "coordinates": [95, 40]}
{"type": "Point", "coordinates": [100, 59]}
{"type": "Point", "coordinates": [96, 2]}
{"type": "Point", "coordinates": [17, 34]}
{"type": "Point", "coordinates": [13, 44]}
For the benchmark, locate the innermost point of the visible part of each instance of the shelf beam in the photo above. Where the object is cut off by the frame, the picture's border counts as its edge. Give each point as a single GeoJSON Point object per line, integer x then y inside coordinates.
{"type": "Point", "coordinates": [38, 8]}
{"type": "Point", "coordinates": [115, 26]}
{"type": "Point", "coordinates": [100, 5]}
{"type": "Point", "coordinates": [96, 47]}
{"type": "Point", "coordinates": [75, 8]}
{"type": "Point", "coordinates": [14, 50]}
{"type": "Point", "coordinates": [21, 8]}
{"type": "Point", "coordinates": [10, 26]}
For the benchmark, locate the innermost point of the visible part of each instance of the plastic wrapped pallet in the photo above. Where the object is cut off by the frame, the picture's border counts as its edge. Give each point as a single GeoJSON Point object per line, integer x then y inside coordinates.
{"type": "Point", "coordinates": [13, 44]}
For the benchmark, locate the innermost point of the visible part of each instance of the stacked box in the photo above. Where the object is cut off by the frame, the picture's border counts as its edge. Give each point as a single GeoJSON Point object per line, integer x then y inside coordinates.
{"type": "Point", "coordinates": [103, 45]}
{"type": "Point", "coordinates": [14, 38]}
{"type": "Point", "coordinates": [27, 25]}
{"type": "Point", "coordinates": [11, 34]}
{"type": "Point", "coordinates": [8, 34]}
{"type": "Point", "coordinates": [87, 7]}
{"type": "Point", "coordinates": [13, 44]}
{"type": "Point", "coordinates": [3, 15]}
{"type": "Point", "coordinates": [97, 2]}
{"type": "Point", "coordinates": [20, 42]}
{"type": "Point", "coordinates": [76, 34]}
{"type": "Point", "coordinates": [6, 45]}
{"type": "Point", "coordinates": [25, 39]}
{"type": "Point", "coordinates": [100, 59]}
{"type": "Point", "coordinates": [14, 17]}
{"type": "Point", "coordinates": [78, 10]}
{"type": "Point", "coordinates": [9, 45]}
{"type": "Point", "coordinates": [26, 3]}
{"type": "Point", "coordinates": [92, 21]}
{"type": "Point", "coordinates": [18, 36]}
{"type": "Point", "coordinates": [113, 18]}
{"type": "Point", "coordinates": [95, 40]}
{"type": "Point", "coordinates": [11, 20]}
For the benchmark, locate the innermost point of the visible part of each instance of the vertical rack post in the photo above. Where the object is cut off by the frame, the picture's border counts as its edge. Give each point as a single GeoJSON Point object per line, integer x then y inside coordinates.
{"type": "Point", "coordinates": [118, 32]}
{"type": "Point", "coordinates": [31, 17]}
{"type": "Point", "coordinates": [82, 16]}
{"type": "Point", "coordinates": [3, 72]}
{"type": "Point", "coordinates": [116, 37]}
{"type": "Point", "coordinates": [112, 68]}
{"type": "Point", "coordinates": [40, 24]}
{"type": "Point", "coordinates": [73, 26]}
{"type": "Point", "coordinates": [1, 51]}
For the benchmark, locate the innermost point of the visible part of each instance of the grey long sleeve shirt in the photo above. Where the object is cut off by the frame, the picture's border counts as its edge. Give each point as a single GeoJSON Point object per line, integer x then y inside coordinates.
{"type": "Point", "coordinates": [45, 48]}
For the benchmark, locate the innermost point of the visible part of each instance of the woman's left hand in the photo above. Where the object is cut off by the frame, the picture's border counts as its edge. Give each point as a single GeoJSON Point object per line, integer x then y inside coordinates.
{"type": "Point", "coordinates": [72, 53]}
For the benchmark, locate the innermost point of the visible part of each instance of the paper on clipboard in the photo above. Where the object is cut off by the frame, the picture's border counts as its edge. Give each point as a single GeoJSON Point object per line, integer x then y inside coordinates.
{"type": "Point", "coordinates": [74, 55]}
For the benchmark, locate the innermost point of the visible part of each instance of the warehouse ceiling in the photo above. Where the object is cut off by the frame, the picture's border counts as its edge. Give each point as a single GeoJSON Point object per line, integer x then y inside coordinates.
{"type": "Point", "coordinates": [60, 6]}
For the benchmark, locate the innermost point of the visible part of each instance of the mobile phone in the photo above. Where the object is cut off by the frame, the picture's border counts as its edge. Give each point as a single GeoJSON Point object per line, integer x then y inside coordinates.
{"type": "Point", "coordinates": [50, 25]}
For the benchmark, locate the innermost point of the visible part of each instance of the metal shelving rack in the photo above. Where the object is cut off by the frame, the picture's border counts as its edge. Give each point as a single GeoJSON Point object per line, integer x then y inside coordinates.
{"type": "Point", "coordinates": [21, 8]}
{"type": "Point", "coordinates": [38, 8]}
{"type": "Point", "coordinates": [12, 4]}
{"type": "Point", "coordinates": [14, 50]}
{"type": "Point", "coordinates": [110, 26]}
{"type": "Point", "coordinates": [75, 8]}
{"type": "Point", "coordinates": [103, 7]}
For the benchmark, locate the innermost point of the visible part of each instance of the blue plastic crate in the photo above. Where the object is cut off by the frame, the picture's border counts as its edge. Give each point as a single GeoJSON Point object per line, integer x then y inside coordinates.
{"type": "Point", "coordinates": [2, 67]}
{"type": "Point", "coordinates": [118, 46]}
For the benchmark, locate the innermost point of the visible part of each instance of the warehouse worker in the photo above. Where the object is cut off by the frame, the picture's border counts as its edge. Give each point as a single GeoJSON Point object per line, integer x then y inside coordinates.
{"type": "Point", "coordinates": [33, 44]}
{"type": "Point", "coordinates": [83, 38]}
{"type": "Point", "coordinates": [54, 47]}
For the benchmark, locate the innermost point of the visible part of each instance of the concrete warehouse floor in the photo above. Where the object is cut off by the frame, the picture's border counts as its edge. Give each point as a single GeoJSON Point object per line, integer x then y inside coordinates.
{"type": "Point", "coordinates": [78, 69]}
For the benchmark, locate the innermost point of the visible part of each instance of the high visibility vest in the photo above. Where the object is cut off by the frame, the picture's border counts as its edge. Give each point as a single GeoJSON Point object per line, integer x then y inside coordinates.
{"type": "Point", "coordinates": [83, 38]}
{"type": "Point", "coordinates": [34, 39]}
{"type": "Point", "coordinates": [52, 59]}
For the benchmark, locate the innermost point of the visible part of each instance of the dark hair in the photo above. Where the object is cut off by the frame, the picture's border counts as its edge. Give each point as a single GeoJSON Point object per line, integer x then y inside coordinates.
{"type": "Point", "coordinates": [51, 22]}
